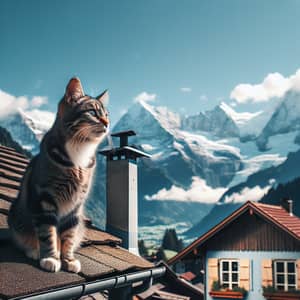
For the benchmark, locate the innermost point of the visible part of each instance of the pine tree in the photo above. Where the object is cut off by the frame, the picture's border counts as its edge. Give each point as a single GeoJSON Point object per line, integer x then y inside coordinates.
{"type": "Point", "coordinates": [142, 248]}
{"type": "Point", "coordinates": [171, 242]}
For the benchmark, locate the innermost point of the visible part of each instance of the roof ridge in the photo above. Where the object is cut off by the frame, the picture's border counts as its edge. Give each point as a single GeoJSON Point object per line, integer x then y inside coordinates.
{"type": "Point", "coordinates": [258, 205]}
{"type": "Point", "coordinates": [266, 205]}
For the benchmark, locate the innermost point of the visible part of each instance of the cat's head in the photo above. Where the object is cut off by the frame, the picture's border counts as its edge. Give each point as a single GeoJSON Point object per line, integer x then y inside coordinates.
{"type": "Point", "coordinates": [82, 118]}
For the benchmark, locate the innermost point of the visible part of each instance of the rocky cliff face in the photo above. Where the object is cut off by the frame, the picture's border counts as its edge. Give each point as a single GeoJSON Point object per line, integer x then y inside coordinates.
{"type": "Point", "coordinates": [216, 122]}
{"type": "Point", "coordinates": [285, 119]}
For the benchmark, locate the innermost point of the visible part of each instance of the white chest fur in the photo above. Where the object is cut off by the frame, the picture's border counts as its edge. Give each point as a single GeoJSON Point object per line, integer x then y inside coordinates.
{"type": "Point", "coordinates": [81, 154]}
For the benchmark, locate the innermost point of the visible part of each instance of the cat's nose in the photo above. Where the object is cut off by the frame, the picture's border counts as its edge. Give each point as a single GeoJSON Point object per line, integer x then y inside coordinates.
{"type": "Point", "coordinates": [104, 121]}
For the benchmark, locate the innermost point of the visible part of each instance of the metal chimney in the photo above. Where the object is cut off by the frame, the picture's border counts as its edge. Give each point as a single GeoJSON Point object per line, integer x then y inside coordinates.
{"type": "Point", "coordinates": [287, 204]}
{"type": "Point", "coordinates": [122, 191]}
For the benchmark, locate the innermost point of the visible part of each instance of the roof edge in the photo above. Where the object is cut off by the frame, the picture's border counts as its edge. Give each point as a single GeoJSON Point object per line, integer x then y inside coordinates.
{"type": "Point", "coordinates": [97, 286]}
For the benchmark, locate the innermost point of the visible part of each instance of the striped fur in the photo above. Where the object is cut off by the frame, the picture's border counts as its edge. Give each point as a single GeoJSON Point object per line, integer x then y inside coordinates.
{"type": "Point", "coordinates": [46, 220]}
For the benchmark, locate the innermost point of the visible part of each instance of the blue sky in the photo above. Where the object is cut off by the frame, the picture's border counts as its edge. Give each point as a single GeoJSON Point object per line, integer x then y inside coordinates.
{"type": "Point", "coordinates": [135, 46]}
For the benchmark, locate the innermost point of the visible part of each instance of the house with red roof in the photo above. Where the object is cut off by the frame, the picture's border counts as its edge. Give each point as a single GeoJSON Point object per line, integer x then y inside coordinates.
{"type": "Point", "coordinates": [252, 254]}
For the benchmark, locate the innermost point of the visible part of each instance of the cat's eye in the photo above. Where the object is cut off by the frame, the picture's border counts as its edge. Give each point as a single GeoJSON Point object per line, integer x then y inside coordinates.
{"type": "Point", "coordinates": [92, 113]}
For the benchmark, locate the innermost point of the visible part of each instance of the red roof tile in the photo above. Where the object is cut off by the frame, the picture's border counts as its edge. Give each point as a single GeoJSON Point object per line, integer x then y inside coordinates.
{"type": "Point", "coordinates": [280, 217]}
{"type": "Point", "coordinates": [189, 276]}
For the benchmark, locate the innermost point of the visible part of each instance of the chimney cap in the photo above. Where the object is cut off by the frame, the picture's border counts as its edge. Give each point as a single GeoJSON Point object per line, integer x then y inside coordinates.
{"type": "Point", "coordinates": [124, 133]}
{"type": "Point", "coordinates": [124, 150]}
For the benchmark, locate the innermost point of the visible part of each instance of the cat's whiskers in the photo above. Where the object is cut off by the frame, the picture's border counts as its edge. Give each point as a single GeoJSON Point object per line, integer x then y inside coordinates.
{"type": "Point", "coordinates": [79, 134]}
{"type": "Point", "coordinates": [83, 136]}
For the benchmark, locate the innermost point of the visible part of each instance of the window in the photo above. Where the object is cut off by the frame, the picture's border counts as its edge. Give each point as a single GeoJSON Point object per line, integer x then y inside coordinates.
{"type": "Point", "coordinates": [229, 273]}
{"type": "Point", "coordinates": [285, 275]}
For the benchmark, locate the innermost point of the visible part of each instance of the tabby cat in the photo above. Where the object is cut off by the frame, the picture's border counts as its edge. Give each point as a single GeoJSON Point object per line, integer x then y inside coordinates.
{"type": "Point", "coordinates": [46, 220]}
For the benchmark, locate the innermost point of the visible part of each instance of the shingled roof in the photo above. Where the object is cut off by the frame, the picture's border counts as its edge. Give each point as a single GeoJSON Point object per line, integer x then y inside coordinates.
{"type": "Point", "coordinates": [173, 287]}
{"type": "Point", "coordinates": [281, 217]}
{"type": "Point", "coordinates": [277, 215]}
{"type": "Point", "coordinates": [101, 256]}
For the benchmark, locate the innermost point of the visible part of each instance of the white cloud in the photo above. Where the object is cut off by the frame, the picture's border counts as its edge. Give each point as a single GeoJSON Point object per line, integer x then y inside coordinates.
{"type": "Point", "coordinates": [273, 85]}
{"type": "Point", "coordinates": [185, 89]}
{"type": "Point", "coordinates": [9, 103]}
{"type": "Point", "coordinates": [199, 191]}
{"type": "Point", "coordinates": [145, 97]}
{"type": "Point", "coordinates": [252, 194]}
{"type": "Point", "coordinates": [38, 101]}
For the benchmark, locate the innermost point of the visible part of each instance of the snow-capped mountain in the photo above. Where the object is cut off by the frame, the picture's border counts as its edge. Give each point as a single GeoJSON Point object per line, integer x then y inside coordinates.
{"type": "Point", "coordinates": [195, 160]}
{"type": "Point", "coordinates": [255, 188]}
{"type": "Point", "coordinates": [224, 122]}
{"type": "Point", "coordinates": [38, 121]}
{"type": "Point", "coordinates": [187, 171]}
{"type": "Point", "coordinates": [191, 163]}
{"type": "Point", "coordinates": [249, 124]}
{"type": "Point", "coordinates": [281, 134]}
{"type": "Point", "coordinates": [159, 133]}
{"type": "Point", "coordinates": [217, 122]}
{"type": "Point", "coordinates": [285, 119]}
{"type": "Point", "coordinates": [28, 127]}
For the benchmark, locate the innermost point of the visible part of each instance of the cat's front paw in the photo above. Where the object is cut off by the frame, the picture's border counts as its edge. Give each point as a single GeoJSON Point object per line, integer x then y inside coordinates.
{"type": "Point", "coordinates": [73, 265]}
{"type": "Point", "coordinates": [50, 264]}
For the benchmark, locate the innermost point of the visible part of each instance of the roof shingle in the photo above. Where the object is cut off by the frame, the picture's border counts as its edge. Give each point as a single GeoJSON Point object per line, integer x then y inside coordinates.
{"type": "Point", "coordinates": [281, 217]}
{"type": "Point", "coordinates": [100, 255]}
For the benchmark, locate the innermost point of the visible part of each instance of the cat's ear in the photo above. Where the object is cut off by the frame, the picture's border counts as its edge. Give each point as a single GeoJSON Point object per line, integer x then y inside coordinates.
{"type": "Point", "coordinates": [104, 98]}
{"type": "Point", "coordinates": [74, 90]}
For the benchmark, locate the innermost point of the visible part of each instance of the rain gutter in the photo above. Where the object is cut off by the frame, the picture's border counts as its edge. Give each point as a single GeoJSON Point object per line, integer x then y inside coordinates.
{"type": "Point", "coordinates": [87, 288]}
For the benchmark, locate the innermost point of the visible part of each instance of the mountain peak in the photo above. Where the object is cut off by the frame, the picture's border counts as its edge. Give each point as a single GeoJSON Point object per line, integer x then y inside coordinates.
{"type": "Point", "coordinates": [142, 114]}
{"type": "Point", "coordinates": [216, 121]}
{"type": "Point", "coordinates": [240, 118]}
{"type": "Point", "coordinates": [227, 108]}
{"type": "Point", "coordinates": [28, 127]}
{"type": "Point", "coordinates": [284, 119]}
